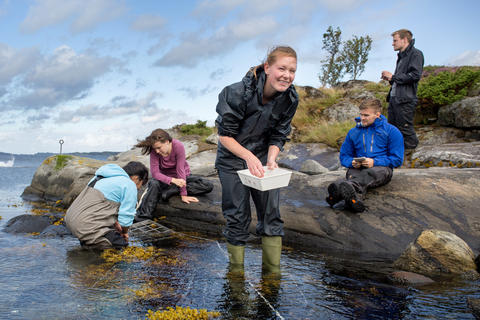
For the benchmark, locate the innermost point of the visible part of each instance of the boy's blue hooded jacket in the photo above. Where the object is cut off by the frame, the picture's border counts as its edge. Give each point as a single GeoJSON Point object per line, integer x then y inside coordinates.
{"type": "Point", "coordinates": [380, 141]}
{"type": "Point", "coordinates": [118, 187]}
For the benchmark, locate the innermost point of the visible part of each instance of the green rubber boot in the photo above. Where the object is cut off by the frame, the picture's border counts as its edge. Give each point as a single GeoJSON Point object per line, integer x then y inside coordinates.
{"type": "Point", "coordinates": [236, 255]}
{"type": "Point", "coordinates": [271, 252]}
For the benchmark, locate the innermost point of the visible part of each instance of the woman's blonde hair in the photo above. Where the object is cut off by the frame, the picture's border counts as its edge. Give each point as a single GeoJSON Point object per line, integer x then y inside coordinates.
{"type": "Point", "coordinates": [273, 54]}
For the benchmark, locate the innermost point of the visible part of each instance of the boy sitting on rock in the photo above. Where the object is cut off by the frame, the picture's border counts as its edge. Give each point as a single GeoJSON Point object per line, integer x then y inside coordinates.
{"type": "Point", "coordinates": [370, 152]}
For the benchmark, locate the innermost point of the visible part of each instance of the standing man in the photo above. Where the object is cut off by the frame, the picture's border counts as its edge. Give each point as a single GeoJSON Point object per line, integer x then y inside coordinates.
{"type": "Point", "coordinates": [402, 97]}
{"type": "Point", "coordinates": [370, 152]}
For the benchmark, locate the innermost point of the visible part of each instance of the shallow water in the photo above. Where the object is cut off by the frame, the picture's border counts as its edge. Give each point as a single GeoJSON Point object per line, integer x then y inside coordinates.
{"type": "Point", "coordinates": [52, 278]}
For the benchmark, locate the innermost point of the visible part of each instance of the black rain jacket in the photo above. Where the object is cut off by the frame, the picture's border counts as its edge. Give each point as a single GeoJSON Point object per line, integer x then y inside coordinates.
{"type": "Point", "coordinates": [407, 74]}
{"type": "Point", "coordinates": [255, 126]}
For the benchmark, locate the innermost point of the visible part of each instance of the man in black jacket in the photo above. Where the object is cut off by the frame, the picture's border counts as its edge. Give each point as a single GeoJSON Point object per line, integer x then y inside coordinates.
{"type": "Point", "coordinates": [402, 97]}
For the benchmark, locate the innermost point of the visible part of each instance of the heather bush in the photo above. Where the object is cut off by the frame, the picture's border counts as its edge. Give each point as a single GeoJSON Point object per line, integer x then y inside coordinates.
{"type": "Point", "coordinates": [446, 87]}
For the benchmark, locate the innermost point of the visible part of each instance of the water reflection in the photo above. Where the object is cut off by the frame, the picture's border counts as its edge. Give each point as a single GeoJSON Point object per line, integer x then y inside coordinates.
{"type": "Point", "coordinates": [39, 274]}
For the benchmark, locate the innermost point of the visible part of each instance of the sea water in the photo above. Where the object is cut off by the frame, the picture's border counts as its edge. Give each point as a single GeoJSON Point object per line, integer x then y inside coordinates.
{"type": "Point", "coordinates": [53, 278]}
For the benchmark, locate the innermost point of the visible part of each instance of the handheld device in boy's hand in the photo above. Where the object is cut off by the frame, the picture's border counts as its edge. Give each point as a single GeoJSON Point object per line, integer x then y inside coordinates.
{"type": "Point", "coordinates": [359, 159]}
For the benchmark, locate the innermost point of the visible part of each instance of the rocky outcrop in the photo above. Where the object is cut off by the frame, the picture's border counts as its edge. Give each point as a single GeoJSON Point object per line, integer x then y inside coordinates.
{"type": "Point", "coordinates": [443, 198]}
{"type": "Point", "coordinates": [435, 135]}
{"type": "Point", "coordinates": [54, 182]}
{"type": "Point", "coordinates": [461, 114]}
{"type": "Point", "coordinates": [342, 111]}
{"type": "Point", "coordinates": [437, 253]}
{"type": "Point", "coordinates": [310, 92]}
{"type": "Point", "coordinates": [396, 213]}
{"type": "Point", "coordinates": [461, 155]}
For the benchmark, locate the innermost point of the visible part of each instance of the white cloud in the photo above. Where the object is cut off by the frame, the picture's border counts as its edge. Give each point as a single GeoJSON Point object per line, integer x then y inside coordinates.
{"type": "Point", "coordinates": [467, 58]}
{"type": "Point", "coordinates": [194, 93]}
{"type": "Point", "coordinates": [119, 106]}
{"type": "Point", "coordinates": [193, 49]}
{"type": "Point", "coordinates": [149, 23]}
{"type": "Point", "coordinates": [251, 28]}
{"type": "Point", "coordinates": [14, 62]}
{"type": "Point", "coordinates": [82, 15]}
{"type": "Point", "coordinates": [63, 76]}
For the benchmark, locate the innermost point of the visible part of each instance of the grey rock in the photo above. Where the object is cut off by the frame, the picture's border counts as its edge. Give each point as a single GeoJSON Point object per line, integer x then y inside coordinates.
{"type": "Point", "coordinates": [203, 163]}
{"type": "Point", "coordinates": [361, 95]}
{"type": "Point", "coordinates": [474, 305]}
{"type": "Point", "coordinates": [312, 93]}
{"type": "Point", "coordinates": [27, 223]}
{"type": "Point", "coordinates": [352, 84]}
{"type": "Point", "coordinates": [134, 154]}
{"type": "Point", "coordinates": [342, 111]}
{"type": "Point", "coordinates": [55, 231]}
{"type": "Point", "coordinates": [460, 155]}
{"type": "Point", "coordinates": [310, 166]}
{"type": "Point", "coordinates": [461, 114]}
{"type": "Point", "coordinates": [435, 135]}
{"type": "Point", "coordinates": [436, 253]}
{"type": "Point", "coordinates": [410, 278]}
{"type": "Point", "coordinates": [212, 139]}
{"type": "Point", "coordinates": [295, 154]}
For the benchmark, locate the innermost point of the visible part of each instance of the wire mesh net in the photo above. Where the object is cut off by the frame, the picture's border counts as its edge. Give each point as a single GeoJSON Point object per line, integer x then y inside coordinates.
{"type": "Point", "coordinates": [150, 231]}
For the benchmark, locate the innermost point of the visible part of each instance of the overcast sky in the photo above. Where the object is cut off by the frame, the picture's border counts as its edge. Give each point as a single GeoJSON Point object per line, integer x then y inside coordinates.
{"type": "Point", "coordinates": [100, 74]}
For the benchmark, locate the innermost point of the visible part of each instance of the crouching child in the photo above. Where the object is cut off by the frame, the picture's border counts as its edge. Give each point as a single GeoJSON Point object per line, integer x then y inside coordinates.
{"type": "Point", "coordinates": [102, 213]}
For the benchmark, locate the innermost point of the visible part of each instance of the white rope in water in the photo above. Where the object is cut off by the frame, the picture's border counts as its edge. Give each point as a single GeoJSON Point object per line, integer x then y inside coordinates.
{"type": "Point", "coordinates": [248, 281]}
{"type": "Point", "coordinates": [226, 255]}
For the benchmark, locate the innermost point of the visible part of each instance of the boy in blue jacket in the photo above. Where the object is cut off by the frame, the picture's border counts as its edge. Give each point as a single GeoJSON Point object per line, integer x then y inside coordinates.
{"type": "Point", "coordinates": [370, 152]}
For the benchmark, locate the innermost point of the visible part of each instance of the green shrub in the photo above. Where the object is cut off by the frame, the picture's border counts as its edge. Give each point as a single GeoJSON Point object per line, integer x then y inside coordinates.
{"type": "Point", "coordinates": [200, 128]}
{"type": "Point", "coordinates": [447, 87]}
{"type": "Point", "coordinates": [62, 161]}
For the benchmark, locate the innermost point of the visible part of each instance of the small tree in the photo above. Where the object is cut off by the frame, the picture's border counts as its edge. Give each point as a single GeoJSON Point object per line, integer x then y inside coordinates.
{"type": "Point", "coordinates": [355, 55]}
{"type": "Point", "coordinates": [332, 66]}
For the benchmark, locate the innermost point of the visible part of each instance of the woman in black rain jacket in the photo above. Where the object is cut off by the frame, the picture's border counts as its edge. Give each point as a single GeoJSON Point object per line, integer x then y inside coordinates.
{"type": "Point", "coordinates": [253, 123]}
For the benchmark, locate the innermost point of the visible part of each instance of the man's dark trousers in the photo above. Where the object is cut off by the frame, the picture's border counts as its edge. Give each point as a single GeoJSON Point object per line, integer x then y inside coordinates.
{"type": "Point", "coordinates": [365, 178]}
{"type": "Point", "coordinates": [401, 113]}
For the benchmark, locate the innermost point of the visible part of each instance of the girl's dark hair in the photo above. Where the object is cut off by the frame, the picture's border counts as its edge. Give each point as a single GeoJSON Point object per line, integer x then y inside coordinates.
{"type": "Point", "coordinates": [157, 135]}
{"type": "Point", "coordinates": [274, 54]}
{"type": "Point", "coordinates": [135, 168]}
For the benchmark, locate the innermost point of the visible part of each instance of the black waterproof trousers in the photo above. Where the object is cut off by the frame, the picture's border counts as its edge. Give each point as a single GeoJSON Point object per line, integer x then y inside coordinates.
{"type": "Point", "coordinates": [236, 209]}
{"type": "Point", "coordinates": [157, 190]}
{"type": "Point", "coordinates": [401, 114]}
{"type": "Point", "coordinates": [365, 178]}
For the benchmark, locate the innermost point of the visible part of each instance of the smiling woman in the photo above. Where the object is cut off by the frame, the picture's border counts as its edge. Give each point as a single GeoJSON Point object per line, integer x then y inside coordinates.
{"type": "Point", "coordinates": [253, 122]}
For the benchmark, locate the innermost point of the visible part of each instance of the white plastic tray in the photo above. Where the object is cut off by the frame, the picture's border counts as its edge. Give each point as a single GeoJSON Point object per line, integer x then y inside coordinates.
{"type": "Point", "coordinates": [272, 179]}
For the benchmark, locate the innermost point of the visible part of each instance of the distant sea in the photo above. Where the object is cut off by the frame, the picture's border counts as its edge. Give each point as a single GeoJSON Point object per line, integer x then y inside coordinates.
{"type": "Point", "coordinates": [17, 170]}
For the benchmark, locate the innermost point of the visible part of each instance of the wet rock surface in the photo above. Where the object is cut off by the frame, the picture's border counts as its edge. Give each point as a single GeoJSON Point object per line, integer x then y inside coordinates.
{"type": "Point", "coordinates": [474, 305]}
{"type": "Point", "coordinates": [27, 223]}
{"type": "Point", "coordinates": [410, 278]}
{"type": "Point", "coordinates": [436, 253]}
